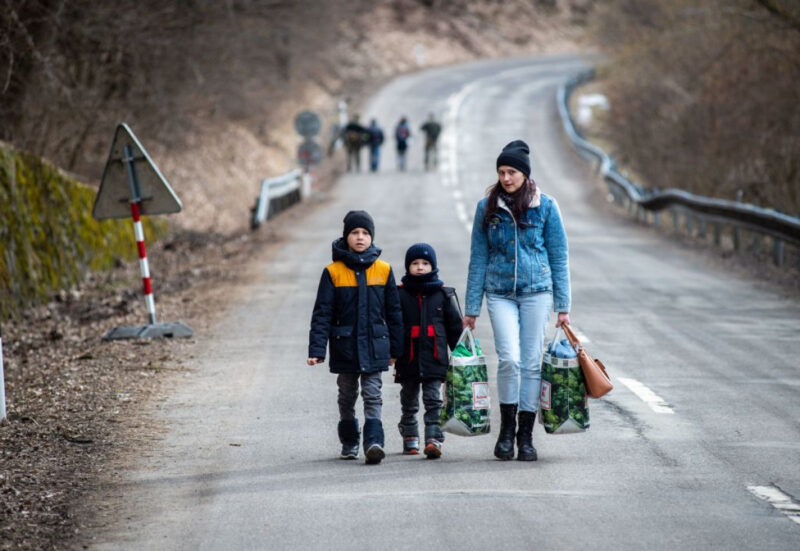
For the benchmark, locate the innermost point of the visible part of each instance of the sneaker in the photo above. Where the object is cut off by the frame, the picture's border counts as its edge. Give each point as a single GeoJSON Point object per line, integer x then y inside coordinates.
{"type": "Point", "coordinates": [349, 452]}
{"type": "Point", "coordinates": [411, 445]}
{"type": "Point", "coordinates": [374, 454]}
{"type": "Point", "coordinates": [433, 448]}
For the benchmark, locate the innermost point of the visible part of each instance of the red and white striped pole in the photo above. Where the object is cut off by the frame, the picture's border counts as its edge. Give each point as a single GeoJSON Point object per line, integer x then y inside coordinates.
{"type": "Point", "coordinates": [145, 268]}
{"type": "Point", "coordinates": [138, 231]}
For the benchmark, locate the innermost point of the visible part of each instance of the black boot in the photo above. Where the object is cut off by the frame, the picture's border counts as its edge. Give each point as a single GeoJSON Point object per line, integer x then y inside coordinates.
{"type": "Point", "coordinates": [525, 449]}
{"type": "Point", "coordinates": [348, 436]}
{"type": "Point", "coordinates": [373, 441]}
{"type": "Point", "coordinates": [504, 449]}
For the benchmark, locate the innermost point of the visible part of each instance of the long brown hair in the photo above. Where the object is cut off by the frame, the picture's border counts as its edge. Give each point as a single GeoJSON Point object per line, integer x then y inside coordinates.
{"type": "Point", "coordinates": [521, 199]}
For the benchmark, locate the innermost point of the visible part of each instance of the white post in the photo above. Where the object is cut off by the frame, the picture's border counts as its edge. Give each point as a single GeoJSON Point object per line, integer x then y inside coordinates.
{"type": "Point", "coordinates": [306, 189]}
{"type": "Point", "coordinates": [2, 381]}
{"type": "Point", "coordinates": [342, 113]}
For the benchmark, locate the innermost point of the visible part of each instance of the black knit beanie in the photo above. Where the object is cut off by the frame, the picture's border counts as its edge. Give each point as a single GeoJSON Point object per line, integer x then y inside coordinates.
{"type": "Point", "coordinates": [423, 251]}
{"type": "Point", "coordinates": [358, 219]}
{"type": "Point", "coordinates": [516, 155]}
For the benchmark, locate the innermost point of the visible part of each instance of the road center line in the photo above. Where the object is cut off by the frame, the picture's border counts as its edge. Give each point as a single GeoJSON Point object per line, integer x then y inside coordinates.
{"type": "Point", "coordinates": [777, 499]}
{"type": "Point", "coordinates": [656, 402]}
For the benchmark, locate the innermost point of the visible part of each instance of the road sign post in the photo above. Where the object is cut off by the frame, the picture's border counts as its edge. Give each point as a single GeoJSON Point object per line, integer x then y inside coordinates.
{"type": "Point", "coordinates": [309, 153]}
{"type": "Point", "coordinates": [126, 191]}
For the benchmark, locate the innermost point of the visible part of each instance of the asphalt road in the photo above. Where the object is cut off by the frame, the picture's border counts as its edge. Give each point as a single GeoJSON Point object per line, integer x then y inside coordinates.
{"type": "Point", "coordinates": [706, 405]}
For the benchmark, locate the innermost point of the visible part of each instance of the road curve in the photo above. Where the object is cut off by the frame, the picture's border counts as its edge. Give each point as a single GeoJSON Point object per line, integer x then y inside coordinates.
{"type": "Point", "coordinates": [701, 431]}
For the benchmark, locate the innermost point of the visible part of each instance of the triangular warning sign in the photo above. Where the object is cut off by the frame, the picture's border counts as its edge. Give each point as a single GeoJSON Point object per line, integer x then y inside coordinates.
{"type": "Point", "coordinates": [131, 173]}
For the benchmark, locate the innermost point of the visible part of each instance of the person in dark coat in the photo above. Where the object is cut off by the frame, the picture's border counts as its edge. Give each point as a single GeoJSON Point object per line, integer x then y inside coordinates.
{"type": "Point", "coordinates": [375, 143]}
{"type": "Point", "coordinates": [431, 129]}
{"type": "Point", "coordinates": [431, 323]}
{"type": "Point", "coordinates": [402, 133]}
{"type": "Point", "coordinates": [355, 136]}
{"type": "Point", "coordinates": [357, 313]}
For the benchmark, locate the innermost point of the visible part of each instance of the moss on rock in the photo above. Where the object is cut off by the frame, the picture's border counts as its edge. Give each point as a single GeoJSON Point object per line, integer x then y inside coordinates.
{"type": "Point", "coordinates": [48, 238]}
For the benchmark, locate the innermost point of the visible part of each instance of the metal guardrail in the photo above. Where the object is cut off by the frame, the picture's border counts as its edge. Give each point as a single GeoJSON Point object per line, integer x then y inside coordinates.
{"type": "Point", "coordinates": [780, 227]}
{"type": "Point", "coordinates": [277, 194]}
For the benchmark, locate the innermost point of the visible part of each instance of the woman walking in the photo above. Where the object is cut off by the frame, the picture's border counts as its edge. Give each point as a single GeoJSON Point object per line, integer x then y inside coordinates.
{"type": "Point", "coordinates": [519, 259]}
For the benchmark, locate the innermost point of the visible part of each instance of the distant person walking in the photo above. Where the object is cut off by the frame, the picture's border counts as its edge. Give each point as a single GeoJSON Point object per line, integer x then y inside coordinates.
{"type": "Point", "coordinates": [402, 133]}
{"type": "Point", "coordinates": [355, 136]}
{"type": "Point", "coordinates": [431, 129]}
{"type": "Point", "coordinates": [519, 260]}
{"type": "Point", "coordinates": [375, 143]}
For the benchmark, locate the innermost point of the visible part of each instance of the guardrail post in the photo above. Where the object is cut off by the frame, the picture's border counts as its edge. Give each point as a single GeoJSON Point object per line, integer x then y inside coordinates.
{"type": "Point", "coordinates": [777, 252]}
{"type": "Point", "coordinates": [702, 225]}
{"type": "Point", "coordinates": [675, 224]}
{"type": "Point", "coordinates": [755, 246]}
{"type": "Point", "coordinates": [688, 225]}
{"type": "Point", "coordinates": [737, 238]}
{"type": "Point", "coordinates": [717, 234]}
{"type": "Point", "coordinates": [657, 219]}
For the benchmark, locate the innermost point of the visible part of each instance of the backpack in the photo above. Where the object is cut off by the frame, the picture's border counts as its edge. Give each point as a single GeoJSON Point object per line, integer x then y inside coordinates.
{"type": "Point", "coordinates": [402, 132]}
{"type": "Point", "coordinates": [450, 295]}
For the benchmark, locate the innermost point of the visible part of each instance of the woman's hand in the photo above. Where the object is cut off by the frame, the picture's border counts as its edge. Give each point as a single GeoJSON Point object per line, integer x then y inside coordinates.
{"type": "Point", "coordinates": [469, 321]}
{"type": "Point", "coordinates": [314, 361]}
{"type": "Point", "coordinates": [563, 317]}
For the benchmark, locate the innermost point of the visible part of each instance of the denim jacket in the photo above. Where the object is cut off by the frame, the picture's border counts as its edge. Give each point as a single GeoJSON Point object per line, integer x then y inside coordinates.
{"type": "Point", "coordinates": [509, 260]}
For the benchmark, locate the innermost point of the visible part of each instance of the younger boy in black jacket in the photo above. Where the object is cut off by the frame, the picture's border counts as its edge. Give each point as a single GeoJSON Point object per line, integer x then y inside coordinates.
{"type": "Point", "coordinates": [358, 311]}
{"type": "Point", "coordinates": [431, 323]}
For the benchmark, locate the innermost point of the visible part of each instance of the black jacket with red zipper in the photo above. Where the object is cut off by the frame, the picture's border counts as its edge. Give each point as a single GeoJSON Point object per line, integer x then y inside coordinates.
{"type": "Point", "coordinates": [431, 323]}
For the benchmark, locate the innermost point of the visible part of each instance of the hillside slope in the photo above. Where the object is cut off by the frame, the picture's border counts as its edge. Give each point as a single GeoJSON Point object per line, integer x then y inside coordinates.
{"type": "Point", "coordinates": [212, 91]}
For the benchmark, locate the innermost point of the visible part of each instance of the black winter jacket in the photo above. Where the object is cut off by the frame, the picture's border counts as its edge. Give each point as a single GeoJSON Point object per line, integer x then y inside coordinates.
{"type": "Point", "coordinates": [358, 311]}
{"type": "Point", "coordinates": [431, 323]}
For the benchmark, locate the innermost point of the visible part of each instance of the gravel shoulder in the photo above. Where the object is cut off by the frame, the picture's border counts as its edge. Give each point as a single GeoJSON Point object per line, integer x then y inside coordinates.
{"type": "Point", "coordinates": [81, 410]}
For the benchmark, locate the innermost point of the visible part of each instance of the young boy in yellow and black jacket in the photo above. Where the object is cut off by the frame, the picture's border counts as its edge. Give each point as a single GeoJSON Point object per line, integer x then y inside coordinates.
{"type": "Point", "coordinates": [357, 312]}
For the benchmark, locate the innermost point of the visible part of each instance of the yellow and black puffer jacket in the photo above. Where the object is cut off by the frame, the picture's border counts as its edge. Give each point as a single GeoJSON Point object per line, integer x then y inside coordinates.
{"type": "Point", "coordinates": [357, 312]}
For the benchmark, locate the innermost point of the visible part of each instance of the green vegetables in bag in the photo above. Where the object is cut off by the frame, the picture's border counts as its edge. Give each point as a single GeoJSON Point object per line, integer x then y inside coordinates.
{"type": "Point", "coordinates": [563, 403]}
{"type": "Point", "coordinates": [466, 398]}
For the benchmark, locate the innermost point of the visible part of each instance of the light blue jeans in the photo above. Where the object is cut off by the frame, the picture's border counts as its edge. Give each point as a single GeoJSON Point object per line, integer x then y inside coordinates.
{"type": "Point", "coordinates": [519, 325]}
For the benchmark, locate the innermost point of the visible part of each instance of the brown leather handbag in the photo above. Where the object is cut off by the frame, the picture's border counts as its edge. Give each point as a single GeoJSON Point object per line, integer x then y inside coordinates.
{"type": "Point", "coordinates": [598, 383]}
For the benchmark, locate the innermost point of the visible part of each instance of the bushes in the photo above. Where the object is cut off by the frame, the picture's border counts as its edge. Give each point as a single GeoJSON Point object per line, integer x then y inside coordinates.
{"type": "Point", "coordinates": [704, 95]}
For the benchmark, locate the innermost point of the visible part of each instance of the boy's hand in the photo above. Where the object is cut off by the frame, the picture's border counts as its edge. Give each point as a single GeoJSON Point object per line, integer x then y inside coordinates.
{"type": "Point", "coordinates": [391, 361]}
{"type": "Point", "coordinates": [469, 321]}
{"type": "Point", "coordinates": [314, 361]}
{"type": "Point", "coordinates": [563, 317]}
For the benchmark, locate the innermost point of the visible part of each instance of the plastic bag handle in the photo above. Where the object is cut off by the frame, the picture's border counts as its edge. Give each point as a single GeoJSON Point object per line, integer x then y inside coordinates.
{"type": "Point", "coordinates": [553, 342]}
{"type": "Point", "coordinates": [468, 332]}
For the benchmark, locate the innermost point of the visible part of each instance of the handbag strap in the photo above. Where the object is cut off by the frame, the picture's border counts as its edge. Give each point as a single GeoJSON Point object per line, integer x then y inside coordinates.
{"type": "Point", "coordinates": [572, 338]}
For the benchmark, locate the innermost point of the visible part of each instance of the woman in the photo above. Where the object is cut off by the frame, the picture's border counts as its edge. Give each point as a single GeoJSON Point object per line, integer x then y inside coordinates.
{"type": "Point", "coordinates": [519, 258]}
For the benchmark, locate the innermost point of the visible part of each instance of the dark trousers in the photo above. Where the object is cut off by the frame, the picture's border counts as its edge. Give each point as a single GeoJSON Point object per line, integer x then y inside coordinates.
{"type": "Point", "coordinates": [409, 403]}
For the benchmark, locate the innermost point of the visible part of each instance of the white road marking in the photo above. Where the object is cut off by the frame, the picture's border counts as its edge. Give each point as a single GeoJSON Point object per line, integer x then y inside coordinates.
{"type": "Point", "coordinates": [779, 500]}
{"type": "Point", "coordinates": [649, 397]}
